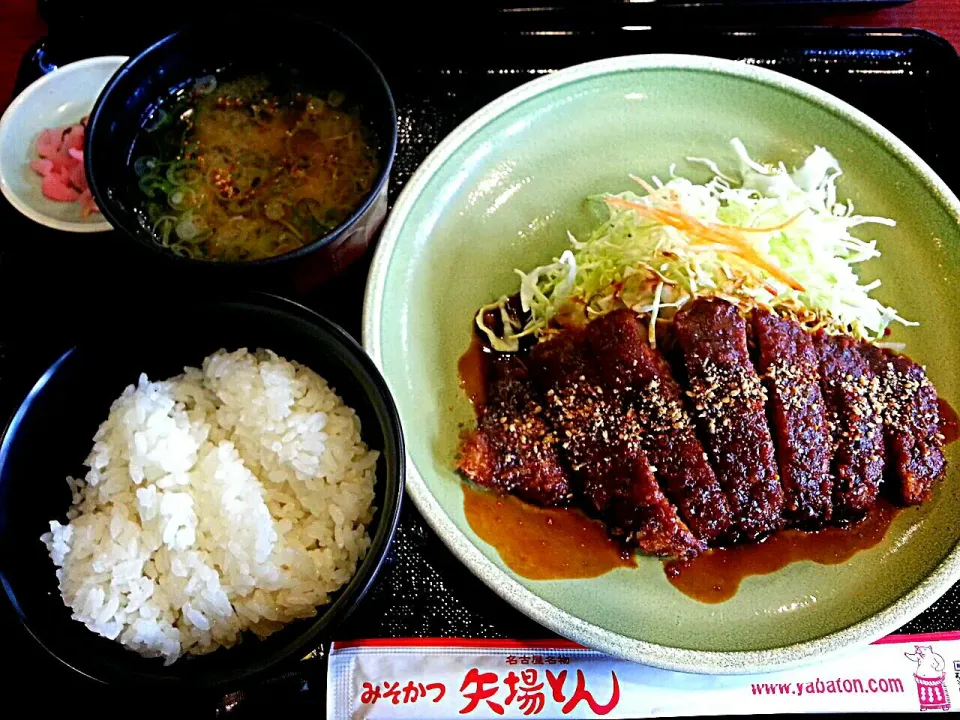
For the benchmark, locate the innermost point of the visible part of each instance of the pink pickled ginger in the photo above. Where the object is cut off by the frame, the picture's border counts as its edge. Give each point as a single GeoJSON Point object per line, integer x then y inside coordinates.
{"type": "Point", "coordinates": [61, 166]}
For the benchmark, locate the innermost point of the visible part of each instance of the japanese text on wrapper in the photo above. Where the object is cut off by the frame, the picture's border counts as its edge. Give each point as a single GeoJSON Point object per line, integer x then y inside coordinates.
{"type": "Point", "coordinates": [530, 690]}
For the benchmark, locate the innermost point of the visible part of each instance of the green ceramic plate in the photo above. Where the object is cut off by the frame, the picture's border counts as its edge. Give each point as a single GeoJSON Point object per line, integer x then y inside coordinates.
{"type": "Point", "coordinates": [502, 190]}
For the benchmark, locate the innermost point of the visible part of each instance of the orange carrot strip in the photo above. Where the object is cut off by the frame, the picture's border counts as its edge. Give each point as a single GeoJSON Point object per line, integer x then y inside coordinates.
{"type": "Point", "coordinates": [750, 253]}
{"type": "Point", "coordinates": [713, 234]}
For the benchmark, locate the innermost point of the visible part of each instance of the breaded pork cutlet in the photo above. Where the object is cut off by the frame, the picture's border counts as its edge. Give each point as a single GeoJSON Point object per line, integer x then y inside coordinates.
{"type": "Point", "coordinates": [730, 408]}
{"type": "Point", "coordinates": [513, 449]}
{"type": "Point", "coordinates": [850, 393]}
{"type": "Point", "coordinates": [600, 444]}
{"type": "Point", "coordinates": [790, 366]}
{"type": "Point", "coordinates": [643, 379]}
{"type": "Point", "coordinates": [911, 424]}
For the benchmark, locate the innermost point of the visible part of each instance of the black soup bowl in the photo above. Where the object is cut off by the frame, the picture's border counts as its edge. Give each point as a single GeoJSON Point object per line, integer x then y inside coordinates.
{"type": "Point", "coordinates": [292, 52]}
{"type": "Point", "coordinates": [51, 434]}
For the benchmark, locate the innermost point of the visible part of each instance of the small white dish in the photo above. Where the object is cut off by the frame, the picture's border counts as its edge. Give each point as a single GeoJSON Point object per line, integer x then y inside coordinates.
{"type": "Point", "coordinates": [61, 97]}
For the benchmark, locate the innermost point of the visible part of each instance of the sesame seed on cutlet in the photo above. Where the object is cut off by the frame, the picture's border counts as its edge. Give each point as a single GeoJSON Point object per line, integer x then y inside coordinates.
{"type": "Point", "coordinates": [790, 382]}
{"type": "Point", "coordinates": [718, 387]}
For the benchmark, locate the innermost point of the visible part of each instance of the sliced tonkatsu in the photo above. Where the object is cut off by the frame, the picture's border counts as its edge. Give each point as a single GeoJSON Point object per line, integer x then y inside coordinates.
{"type": "Point", "coordinates": [911, 423]}
{"type": "Point", "coordinates": [850, 392]}
{"type": "Point", "coordinates": [789, 363]}
{"type": "Point", "coordinates": [737, 426]}
{"type": "Point", "coordinates": [641, 376]}
{"type": "Point", "coordinates": [730, 408]}
{"type": "Point", "coordinates": [600, 443]}
{"type": "Point", "coordinates": [513, 449]}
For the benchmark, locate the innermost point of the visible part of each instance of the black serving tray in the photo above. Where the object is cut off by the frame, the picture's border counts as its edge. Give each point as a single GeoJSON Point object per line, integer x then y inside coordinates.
{"type": "Point", "coordinates": [430, 20]}
{"type": "Point", "coordinates": [56, 288]}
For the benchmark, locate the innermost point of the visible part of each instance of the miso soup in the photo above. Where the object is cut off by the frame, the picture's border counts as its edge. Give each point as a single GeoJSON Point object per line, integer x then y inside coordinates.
{"type": "Point", "coordinates": [244, 170]}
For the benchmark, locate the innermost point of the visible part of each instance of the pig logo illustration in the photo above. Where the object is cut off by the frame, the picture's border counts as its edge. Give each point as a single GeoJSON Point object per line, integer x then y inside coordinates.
{"type": "Point", "coordinates": [930, 677]}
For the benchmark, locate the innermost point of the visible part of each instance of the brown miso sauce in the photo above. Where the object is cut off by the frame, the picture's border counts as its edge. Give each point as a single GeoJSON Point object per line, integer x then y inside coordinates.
{"type": "Point", "coordinates": [472, 369]}
{"type": "Point", "coordinates": [542, 543]}
{"type": "Point", "coordinates": [949, 422]}
{"type": "Point", "coordinates": [715, 576]}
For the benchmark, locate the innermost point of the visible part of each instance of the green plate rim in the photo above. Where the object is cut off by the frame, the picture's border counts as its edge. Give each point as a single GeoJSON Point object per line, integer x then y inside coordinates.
{"type": "Point", "coordinates": [683, 660]}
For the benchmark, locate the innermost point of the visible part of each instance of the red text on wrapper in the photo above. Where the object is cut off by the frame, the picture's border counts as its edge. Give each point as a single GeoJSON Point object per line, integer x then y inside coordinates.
{"type": "Point", "coordinates": [537, 660]}
{"type": "Point", "coordinates": [528, 692]}
{"type": "Point", "coordinates": [395, 693]}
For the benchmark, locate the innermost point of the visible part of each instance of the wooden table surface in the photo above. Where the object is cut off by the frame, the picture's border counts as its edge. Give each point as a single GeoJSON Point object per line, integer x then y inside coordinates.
{"type": "Point", "coordinates": [20, 27]}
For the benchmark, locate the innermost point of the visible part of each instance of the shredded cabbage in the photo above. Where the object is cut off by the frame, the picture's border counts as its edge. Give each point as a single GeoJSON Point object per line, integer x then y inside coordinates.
{"type": "Point", "coordinates": [777, 239]}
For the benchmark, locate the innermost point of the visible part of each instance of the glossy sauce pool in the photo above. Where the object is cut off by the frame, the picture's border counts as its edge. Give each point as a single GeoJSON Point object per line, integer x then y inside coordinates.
{"type": "Point", "coordinates": [542, 543]}
{"type": "Point", "coordinates": [715, 576]}
{"type": "Point", "coordinates": [472, 369]}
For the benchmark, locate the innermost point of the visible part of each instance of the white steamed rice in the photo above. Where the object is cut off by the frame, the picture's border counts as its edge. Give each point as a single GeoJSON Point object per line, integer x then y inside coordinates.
{"type": "Point", "coordinates": [225, 499]}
